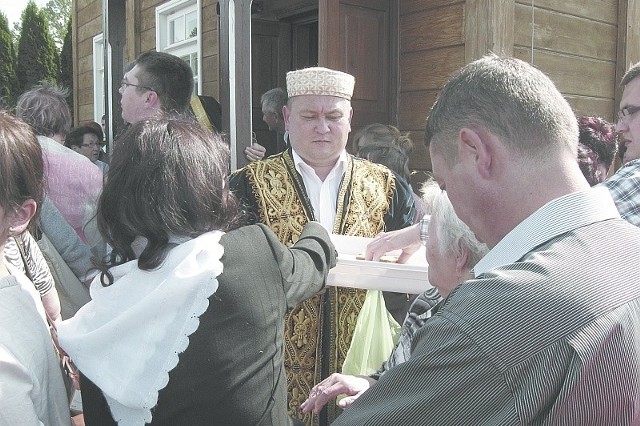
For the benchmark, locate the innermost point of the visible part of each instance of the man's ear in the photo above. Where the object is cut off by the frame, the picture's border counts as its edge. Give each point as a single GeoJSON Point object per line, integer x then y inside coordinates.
{"type": "Point", "coordinates": [476, 145]}
{"type": "Point", "coordinates": [153, 99]}
{"type": "Point", "coordinates": [21, 216]}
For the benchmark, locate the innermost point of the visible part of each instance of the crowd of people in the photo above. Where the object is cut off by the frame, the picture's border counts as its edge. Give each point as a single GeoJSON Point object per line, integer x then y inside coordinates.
{"type": "Point", "coordinates": [195, 295]}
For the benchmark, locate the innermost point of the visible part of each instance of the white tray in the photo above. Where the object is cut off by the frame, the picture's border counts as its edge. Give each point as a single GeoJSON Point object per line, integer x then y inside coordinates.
{"type": "Point", "coordinates": [410, 277]}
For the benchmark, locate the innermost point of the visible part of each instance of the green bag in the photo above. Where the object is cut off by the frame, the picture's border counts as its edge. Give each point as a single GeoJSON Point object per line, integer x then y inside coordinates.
{"type": "Point", "coordinates": [374, 337]}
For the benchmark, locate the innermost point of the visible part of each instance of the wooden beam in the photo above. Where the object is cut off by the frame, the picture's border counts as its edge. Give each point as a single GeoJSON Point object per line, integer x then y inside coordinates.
{"type": "Point", "coordinates": [114, 15]}
{"type": "Point", "coordinates": [235, 76]}
{"type": "Point", "coordinates": [488, 28]}
{"type": "Point", "coordinates": [628, 51]}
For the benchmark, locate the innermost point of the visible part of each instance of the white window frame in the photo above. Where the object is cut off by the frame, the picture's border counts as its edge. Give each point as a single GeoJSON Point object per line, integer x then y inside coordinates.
{"type": "Point", "coordinates": [164, 15]}
{"type": "Point", "coordinates": [98, 77]}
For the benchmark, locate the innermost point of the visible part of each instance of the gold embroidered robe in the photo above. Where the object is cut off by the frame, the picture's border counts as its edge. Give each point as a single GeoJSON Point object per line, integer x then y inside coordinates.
{"type": "Point", "coordinates": [318, 331]}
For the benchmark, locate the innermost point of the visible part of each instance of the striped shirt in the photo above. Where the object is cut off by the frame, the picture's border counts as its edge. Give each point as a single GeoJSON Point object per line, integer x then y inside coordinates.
{"type": "Point", "coordinates": [624, 186]}
{"type": "Point", "coordinates": [419, 312]}
{"type": "Point", "coordinates": [38, 268]}
{"type": "Point", "coordinates": [550, 338]}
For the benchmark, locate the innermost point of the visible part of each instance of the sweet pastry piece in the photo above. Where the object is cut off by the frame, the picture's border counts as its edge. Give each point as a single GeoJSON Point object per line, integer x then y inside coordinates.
{"type": "Point", "coordinates": [385, 258]}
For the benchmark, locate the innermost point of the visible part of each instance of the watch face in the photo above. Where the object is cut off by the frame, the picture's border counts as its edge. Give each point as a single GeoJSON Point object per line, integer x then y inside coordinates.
{"type": "Point", "coordinates": [424, 228]}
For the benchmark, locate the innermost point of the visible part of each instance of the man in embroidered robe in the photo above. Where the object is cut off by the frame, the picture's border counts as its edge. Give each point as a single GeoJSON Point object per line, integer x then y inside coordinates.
{"type": "Point", "coordinates": [315, 179]}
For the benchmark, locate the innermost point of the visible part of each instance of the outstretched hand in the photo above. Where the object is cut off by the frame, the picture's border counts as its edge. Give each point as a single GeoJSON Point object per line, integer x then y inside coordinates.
{"type": "Point", "coordinates": [334, 385]}
{"type": "Point", "coordinates": [406, 239]}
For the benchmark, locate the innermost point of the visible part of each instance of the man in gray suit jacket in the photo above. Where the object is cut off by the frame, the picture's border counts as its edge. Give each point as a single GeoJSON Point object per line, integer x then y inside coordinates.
{"type": "Point", "coordinates": [548, 331]}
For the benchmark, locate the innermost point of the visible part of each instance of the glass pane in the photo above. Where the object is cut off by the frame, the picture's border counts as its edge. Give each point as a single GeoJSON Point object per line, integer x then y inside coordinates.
{"type": "Point", "coordinates": [192, 24]}
{"type": "Point", "coordinates": [176, 30]}
{"type": "Point", "coordinates": [99, 58]}
{"type": "Point", "coordinates": [172, 32]}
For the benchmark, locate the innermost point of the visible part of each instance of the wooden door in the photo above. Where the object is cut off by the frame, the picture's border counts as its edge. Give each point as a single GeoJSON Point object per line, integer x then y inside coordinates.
{"type": "Point", "coordinates": [356, 37]}
{"type": "Point", "coordinates": [270, 59]}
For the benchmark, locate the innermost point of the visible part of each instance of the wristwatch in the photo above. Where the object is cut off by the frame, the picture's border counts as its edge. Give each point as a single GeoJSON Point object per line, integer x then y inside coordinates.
{"type": "Point", "coordinates": [424, 228]}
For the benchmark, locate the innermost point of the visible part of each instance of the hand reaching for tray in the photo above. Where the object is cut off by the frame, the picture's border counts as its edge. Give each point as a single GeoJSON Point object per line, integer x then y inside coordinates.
{"type": "Point", "coordinates": [407, 240]}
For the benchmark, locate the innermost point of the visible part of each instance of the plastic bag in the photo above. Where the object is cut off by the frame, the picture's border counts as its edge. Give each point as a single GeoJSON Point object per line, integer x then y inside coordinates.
{"type": "Point", "coordinates": [374, 337]}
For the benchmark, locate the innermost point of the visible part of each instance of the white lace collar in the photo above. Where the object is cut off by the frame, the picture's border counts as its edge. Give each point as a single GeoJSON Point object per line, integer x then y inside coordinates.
{"type": "Point", "coordinates": [127, 339]}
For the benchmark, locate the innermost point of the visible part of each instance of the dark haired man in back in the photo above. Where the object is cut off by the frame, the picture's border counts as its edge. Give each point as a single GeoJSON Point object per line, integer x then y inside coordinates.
{"type": "Point", "coordinates": [157, 81]}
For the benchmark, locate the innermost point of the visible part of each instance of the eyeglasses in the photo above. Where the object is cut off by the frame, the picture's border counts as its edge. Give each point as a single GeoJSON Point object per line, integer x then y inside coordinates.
{"type": "Point", "coordinates": [90, 145]}
{"type": "Point", "coordinates": [627, 112]}
{"type": "Point", "coordinates": [124, 84]}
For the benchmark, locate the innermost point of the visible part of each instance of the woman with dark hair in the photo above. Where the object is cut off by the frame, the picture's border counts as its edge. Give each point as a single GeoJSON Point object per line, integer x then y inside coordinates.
{"type": "Point", "coordinates": [87, 140]}
{"type": "Point", "coordinates": [186, 326]}
{"type": "Point", "coordinates": [31, 388]}
{"type": "Point", "coordinates": [598, 144]}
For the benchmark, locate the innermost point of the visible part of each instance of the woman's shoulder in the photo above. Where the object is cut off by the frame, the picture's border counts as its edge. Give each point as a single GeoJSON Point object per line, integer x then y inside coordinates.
{"type": "Point", "coordinates": [246, 234]}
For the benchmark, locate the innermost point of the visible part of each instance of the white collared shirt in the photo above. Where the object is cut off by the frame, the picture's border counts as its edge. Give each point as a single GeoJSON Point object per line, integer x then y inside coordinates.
{"type": "Point", "coordinates": [323, 195]}
{"type": "Point", "coordinates": [558, 216]}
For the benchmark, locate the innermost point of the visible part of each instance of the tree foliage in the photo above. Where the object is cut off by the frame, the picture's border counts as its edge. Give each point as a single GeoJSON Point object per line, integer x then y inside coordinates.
{"type": "Point", "coordinates": [58, 13]}
{"type": "Point", "coordinates": [8, 79]}
{"type": "Point", "coordinates": [66, 64]}
{"type": "Point", "coordinates": [37, 54]}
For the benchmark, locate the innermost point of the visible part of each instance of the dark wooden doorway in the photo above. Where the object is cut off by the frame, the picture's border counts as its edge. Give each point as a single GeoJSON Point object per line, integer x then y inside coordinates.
{"type": "Point", "coordinates": [356, 36]}
{"type": "Point", "coordinates": [278, 46]}
{"type": "Point", "coordinates": [360, 37]}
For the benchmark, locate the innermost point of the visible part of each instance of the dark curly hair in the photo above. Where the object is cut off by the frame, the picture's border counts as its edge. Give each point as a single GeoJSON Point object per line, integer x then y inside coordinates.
{"type": "Point", "coordinates": [600, 136]}
{"type": "Point", "coordinates": [168, 177]}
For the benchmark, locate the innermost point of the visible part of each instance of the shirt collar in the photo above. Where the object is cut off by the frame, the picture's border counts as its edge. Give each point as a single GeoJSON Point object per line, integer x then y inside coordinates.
{"type": "Point", "coordinates": [302, 166]}
{"type": "Point", "coordinates": [555, 218]}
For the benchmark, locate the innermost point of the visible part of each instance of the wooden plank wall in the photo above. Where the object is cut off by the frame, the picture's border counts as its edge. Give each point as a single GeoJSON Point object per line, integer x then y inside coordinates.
{"type": "Point", "coordinates": [574, 42]}
{"type": "Point", "coordinates": [431, 49]}
{"type": "Point", "coordinates": [87, 24]}
{"type": "Point", "coordinates": [210, 72]}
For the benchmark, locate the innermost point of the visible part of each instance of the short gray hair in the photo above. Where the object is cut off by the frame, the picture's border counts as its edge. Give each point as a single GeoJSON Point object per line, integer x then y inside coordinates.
{"type": "Point", "coordinates": [44, 107]}
{"type": "Point", "coordinates": [273, 100]}
{"type": "Point", "coordinates": [453, 234]}
{"type": "Point", "coordinates": [511, 99]}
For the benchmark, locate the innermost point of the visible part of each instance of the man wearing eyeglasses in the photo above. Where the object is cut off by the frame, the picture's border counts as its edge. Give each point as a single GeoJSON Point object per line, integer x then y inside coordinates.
{"type": "Point", "coordinates": [157, 82]}
{"type": "Point", "coordinates": [624, 185]}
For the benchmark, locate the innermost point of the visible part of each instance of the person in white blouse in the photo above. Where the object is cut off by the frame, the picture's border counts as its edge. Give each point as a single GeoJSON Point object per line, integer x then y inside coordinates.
{"type": "Point", "coordinates": [32, 391]}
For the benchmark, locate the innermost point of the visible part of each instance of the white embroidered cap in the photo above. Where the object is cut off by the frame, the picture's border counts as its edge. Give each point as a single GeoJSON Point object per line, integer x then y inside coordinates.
{"type": "Point", "coordinates": [320, 81]}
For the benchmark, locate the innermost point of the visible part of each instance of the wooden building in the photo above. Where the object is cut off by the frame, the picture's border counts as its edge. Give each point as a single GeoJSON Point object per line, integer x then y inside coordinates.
{"type": "Point", "coordinates": [400, 51]}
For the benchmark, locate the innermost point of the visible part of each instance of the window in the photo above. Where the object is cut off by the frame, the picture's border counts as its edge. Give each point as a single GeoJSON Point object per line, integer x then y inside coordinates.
{"type": "Point", "coordinates": [98, 78]}
{"type": "Point", "coordinates": [178, 32]}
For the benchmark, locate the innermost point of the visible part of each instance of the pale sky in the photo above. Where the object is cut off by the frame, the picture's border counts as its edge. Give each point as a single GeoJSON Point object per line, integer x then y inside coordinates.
{"type": "Point", "coordinates": [13, 9]}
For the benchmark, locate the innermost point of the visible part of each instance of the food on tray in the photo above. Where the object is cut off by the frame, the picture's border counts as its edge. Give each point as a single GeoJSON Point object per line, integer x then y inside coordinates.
{"type": "Point", "coordinates": [385, 258]}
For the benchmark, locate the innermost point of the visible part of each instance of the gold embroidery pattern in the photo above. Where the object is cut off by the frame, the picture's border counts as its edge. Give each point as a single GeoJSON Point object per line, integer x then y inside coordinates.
{"type": "Point", "coordinates": [363, 199]}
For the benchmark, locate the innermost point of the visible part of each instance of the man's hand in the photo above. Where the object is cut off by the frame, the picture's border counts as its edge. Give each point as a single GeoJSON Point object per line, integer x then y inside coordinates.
{"type": "Point", "coordinates": [334, 385]}
{"type": "Point", "coordinates": [255, 152]}
{"type": "Point", "coordinates": [407, 239]}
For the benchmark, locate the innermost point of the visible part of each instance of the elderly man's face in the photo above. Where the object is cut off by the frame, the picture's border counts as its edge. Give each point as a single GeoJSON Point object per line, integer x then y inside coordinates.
{"type": "Point", "coordinates": [318, 127]}
{"type": "Point", "coordinates": [629, 127]}
{"type": "Point", "coordinates": [271, 118]}
{"type": "Point", "coordinates": [442, 266]}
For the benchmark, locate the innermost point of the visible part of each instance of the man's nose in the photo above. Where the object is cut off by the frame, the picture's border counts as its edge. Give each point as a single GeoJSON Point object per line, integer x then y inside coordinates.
{"type": "Point", "coordinates": [323, 125]}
